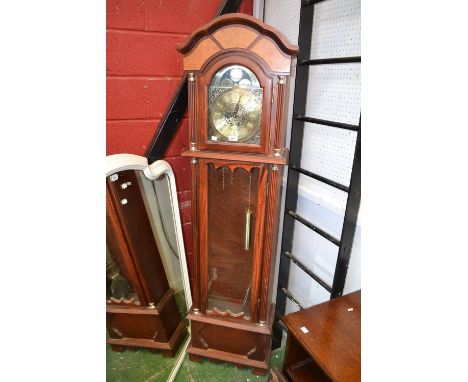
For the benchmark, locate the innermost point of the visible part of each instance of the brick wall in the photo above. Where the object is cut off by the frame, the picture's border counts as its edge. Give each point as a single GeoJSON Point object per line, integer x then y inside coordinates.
{"type": "Point", "coordinates": [143, 71]}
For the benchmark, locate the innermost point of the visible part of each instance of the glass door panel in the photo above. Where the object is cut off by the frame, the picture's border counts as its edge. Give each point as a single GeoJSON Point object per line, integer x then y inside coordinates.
{"type": "Point", "coordinates": [232, 200]}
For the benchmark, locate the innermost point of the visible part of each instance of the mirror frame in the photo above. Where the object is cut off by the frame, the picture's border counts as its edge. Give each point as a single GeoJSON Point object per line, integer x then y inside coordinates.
{"type": "Point", "coordinates": [122, 162]}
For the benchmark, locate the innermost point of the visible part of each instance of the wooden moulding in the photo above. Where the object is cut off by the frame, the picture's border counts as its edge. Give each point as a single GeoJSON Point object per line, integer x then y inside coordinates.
{"type": "Point", "coordinates": [238, 18]}
{"type": "Point", "coordinates": [238, 32]}
{"type": "Point", "coordinates": [203, 80]}
{"type": "Point", "coordinates": [260, 336]}
{"type": "Point", "coordinates": [172, 345]}
{"type": "Point", "coordinates": [235, 323]}
{"type": "Point", "coordinates": [241, 157]}
{"type": "Point", "coordinates": [127, 309]}
{"type": "Point", "coordinates": [161, 316]}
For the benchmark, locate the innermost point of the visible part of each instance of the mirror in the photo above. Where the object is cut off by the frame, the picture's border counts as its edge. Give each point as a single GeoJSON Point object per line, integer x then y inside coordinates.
{"type": "Point", "coordinates": [147, 285]}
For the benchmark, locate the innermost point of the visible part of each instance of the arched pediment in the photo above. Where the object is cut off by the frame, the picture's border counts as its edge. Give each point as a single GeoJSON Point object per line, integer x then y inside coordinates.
{"type": "Point", "coordinates": [238, 31]}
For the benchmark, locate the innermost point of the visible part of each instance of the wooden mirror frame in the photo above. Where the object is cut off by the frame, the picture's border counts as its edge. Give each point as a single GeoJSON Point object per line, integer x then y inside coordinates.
{"type": "Point", "coordinates": [122, 162]}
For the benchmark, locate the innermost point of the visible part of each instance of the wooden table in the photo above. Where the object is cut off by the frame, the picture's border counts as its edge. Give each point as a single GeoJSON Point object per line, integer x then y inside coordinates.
{"type": "Point", "coordinates": [330, 350]}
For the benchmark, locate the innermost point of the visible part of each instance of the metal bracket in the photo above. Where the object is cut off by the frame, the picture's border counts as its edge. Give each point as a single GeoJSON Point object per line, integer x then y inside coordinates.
{"type": "Point", "coordinates": [278, 152]}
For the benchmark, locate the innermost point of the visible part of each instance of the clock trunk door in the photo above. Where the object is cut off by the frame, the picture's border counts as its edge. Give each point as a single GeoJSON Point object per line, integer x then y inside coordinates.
{"type": "Point", "coordinates": [232, 208]}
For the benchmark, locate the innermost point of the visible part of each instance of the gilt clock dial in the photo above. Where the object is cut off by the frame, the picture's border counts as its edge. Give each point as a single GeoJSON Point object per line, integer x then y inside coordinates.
{"type": "Point", "coordinates": [235, 106]}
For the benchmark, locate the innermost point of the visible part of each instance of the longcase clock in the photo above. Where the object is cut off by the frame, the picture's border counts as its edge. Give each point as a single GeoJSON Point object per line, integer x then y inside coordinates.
{"type": "Point", "coordinates": [237, 69]}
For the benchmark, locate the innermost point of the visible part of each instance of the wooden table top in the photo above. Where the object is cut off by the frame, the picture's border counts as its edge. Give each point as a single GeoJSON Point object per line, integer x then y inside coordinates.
{"type": "Point", "coordinates": [334, 335]}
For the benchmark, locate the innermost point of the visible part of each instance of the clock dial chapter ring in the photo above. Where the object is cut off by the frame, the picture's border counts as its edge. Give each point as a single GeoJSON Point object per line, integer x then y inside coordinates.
{"type": "Point", "coordinates": [236, 114]}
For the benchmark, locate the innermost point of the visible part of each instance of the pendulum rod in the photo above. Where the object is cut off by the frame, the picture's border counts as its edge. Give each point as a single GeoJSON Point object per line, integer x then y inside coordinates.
{"type": "Point", "coordinates": [248, 215]}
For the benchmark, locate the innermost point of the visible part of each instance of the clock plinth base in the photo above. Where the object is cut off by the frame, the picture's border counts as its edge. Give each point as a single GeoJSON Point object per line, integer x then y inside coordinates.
{"type": "Point", "coordinates": [236, 341]}
{"type": "Point", "coordinates": [159, 328]}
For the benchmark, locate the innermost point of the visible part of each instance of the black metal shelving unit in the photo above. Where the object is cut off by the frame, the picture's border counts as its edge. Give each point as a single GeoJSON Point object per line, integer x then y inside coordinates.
{"type": "Point", "coordinates": [345, 242]}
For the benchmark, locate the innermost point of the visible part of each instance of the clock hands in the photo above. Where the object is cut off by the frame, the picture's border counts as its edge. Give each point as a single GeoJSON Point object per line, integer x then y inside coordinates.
{"type": "Point", "coordinates": [236, 112]}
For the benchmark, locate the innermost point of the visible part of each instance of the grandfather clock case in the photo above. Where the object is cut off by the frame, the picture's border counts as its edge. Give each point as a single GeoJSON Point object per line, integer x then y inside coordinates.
{"type": "Point", "coordinates": [237, 69]}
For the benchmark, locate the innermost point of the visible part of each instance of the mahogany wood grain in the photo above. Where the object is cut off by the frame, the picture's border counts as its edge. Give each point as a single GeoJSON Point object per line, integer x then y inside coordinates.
{"type": "Point", "coordinates": [158, 309]}
{"type": "Point", "coordinates": [331, 350]}
{"type": "Point", "coordinates": [204, 50]}
{"type": "Point", "coordinates": [235, 323]}
{"type": "Point", "coordinates": [218, 216]}
{"type": "Point", "coordinates": [203, 233]}
{"type": "Point", "coordinates": [237, 341]}
{"type": "Point", "coordinates": [233, 36]}
{"type": "Point", "coordinates": [273, 198]}
{"type": "Point", "coordinates": [172, 345]}
{"type": "Point", "coordinates": [259, 234]}
{"type": "Point", "coordinates": [278, 61]}
{"type": "Point", "coordinates": [238, 18]}
{"type": "Point", "coordinates": [241, 157]}
{"type": "Point", "coordinates": [280, 127]}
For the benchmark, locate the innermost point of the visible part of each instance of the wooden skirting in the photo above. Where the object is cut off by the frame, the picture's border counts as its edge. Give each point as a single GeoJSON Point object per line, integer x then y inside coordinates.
{"type": "Point", "coordinates": [204, 345]}
{"type": "Point", "coordinates": [173, 343]}
{"type": "Point", "coordinates": [227, 357]}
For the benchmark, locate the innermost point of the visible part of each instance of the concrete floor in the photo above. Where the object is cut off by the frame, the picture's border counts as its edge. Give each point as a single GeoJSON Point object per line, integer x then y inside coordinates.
{"type": "Point", "coordinates": [144, 366]}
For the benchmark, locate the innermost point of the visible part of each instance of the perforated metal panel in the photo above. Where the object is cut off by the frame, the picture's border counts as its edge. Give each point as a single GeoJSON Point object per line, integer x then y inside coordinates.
{"type": "Point", "coordinates": [328, 152]}
{"type": "Point", "coordinates": [322, 193]}
{"type": "Point", "coordinates": [334, 93]}
{"type": "Point", "coordinates": [336, 29]}
{"type": "Point", "coordinates": [284, 15]}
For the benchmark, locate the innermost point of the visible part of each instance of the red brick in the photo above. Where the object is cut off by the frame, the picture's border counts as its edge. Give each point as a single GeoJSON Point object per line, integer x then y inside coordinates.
{"type": "Point", "coordinates": [125, 14]}
{"type": "Point", "coordinates": [143, 54]}
{"type": "Point", "coordinates": [131, 137]}
{"type": "Point", "coordinates": [130, 98]}
{"type": "Point", "coordinates": [185, 206]}
{"type": "Point", "coordinates": [181, 168]}
{"type": "Point", "coordinates": [181, 16]}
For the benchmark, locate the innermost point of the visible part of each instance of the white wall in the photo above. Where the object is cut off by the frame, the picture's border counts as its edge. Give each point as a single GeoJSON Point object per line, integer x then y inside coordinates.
{"type": "Point", "coordinates": [334, 94]}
